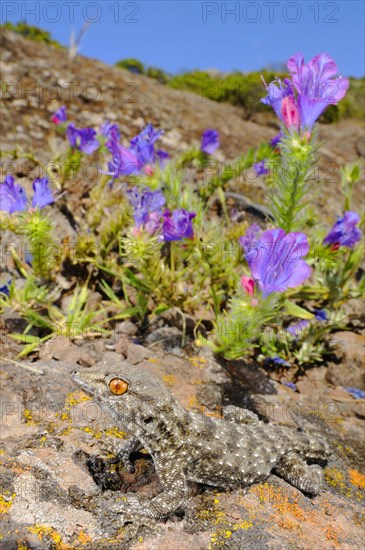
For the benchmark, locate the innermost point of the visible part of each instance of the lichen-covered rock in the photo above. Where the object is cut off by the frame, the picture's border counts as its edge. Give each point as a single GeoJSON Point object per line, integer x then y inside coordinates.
{"type": "Point", "coordinates": [57, 458]}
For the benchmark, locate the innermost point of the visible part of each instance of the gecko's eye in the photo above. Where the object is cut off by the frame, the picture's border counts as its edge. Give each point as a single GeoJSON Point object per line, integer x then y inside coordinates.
{"type": "Point", "coordinates": [118, 386]}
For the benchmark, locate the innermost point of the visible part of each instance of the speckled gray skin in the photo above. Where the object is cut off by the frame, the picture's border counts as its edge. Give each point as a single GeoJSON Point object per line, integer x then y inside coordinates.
{"type": "Point", "coordinates": [192, 447]}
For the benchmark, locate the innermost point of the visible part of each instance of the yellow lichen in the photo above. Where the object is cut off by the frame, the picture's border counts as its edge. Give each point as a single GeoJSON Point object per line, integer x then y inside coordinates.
{"type": "Point", "coordinates": [66, 431]}
{"type": "Point", "coordinates": [28, 417]}
{"type": "Point", "coordinates": [218, 518]}
{"type": "Point", "coordinates": [83, 538]}
{"type": "Point", "coordinates": [43, 531]}
{"type": "Point", "coordinates": [198, 361]}
{"type": "Point", "coordinates": [6, 500]}
{"type": "Point", "coordinates": [169, 379]}
{"type": "Point", "coordinates": [94, 433]}
{"type": "Point", "coordinates": [115, 433]}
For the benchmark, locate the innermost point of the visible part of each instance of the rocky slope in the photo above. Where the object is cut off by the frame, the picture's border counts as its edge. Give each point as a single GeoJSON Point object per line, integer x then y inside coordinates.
{"type": "Point", "coordinates": [38, 78]}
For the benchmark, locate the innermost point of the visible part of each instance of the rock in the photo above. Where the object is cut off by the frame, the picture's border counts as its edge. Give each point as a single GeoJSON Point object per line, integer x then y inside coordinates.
{"type": "Point", "coordinates": [126, 327]}
{"type": "Point", "coordinates": [349, 370]}
{"type": "Point", "coordinates": [136, 354]}
{"type": "Point", "coordinates": [61, 349]}
{"type": "Point", "coordinates": [355, 312]}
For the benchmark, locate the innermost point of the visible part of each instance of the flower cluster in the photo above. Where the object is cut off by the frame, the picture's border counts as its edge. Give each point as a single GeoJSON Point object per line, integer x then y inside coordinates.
{"type": "Point", "coordinates": [147, 208]}
{"type": "Point", "coordinates": [141, 154]}
{"type": "Point", "coordinates": [14, 199]}
{"type": "Point", "coordinates": [83, 139]}
{"type": "Point", "coordinates": [177, 225]}
{"type": "Point", "coordinates": [300, 100]}
{"type": "Point", "coordinates": [147, 214]}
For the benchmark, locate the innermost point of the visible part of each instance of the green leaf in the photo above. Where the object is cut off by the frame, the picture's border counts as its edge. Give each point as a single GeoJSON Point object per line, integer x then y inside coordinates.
{"type": "Point", "coordinates": [161, 308]}
{"type": "Point", "coordinates": [28, 349]}
{"type": "Point", "coordinates": [26, 338]}
{"type": "Point", "coordinates": [297, 311]}
{"type": "Point", "coordinates": [134, 281]}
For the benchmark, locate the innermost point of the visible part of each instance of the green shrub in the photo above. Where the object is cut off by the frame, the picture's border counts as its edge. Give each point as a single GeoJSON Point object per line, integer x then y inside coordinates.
{"type": "Point", "coordinates": [33, 33]}
{"type": "Point", "coordinates": [132, 65]}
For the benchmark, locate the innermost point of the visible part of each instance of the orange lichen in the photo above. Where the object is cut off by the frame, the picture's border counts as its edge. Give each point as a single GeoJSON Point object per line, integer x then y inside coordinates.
{"type": "Point", "coordinates": [357, 479]}
{"type": "Point", "coordinates": [332, 535]}
{"type": "Point", "coordinates": [288, 514]}
{"type": "Point", "coordinates": [83, 538]}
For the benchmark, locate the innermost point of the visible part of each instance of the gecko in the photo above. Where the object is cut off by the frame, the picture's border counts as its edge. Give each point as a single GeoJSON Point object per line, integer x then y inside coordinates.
{"type": "Point", "coordinates": [237, 450]}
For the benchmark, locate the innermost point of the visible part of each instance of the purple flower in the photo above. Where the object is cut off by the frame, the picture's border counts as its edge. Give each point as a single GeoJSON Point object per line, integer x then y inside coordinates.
{"type": "Point", "coordinates": [250, 238]}
{"type": "Point", "coordinates": [277, 360]}
{"type": "Point", "coordinates": [109, 130]}
{"type": "Point", "coordinates": [210, 141]}
{"type": "Point", "coordinates": [260, 168]}
{"type": "Point", "coordinates": [12, 196]}
{"type": "Point", "coordinates": [344, 232]}
{"type": "Point", "coordinates": [42, 193]}
{"type": "Point", "coordinates": [290, 385]}
{"type": "Point", "coordinates": [296, 329]}
{"type": "Point", "coordinates": [274, 142]}
{"type": "Point", "coordinates": [278, 91]}
{"type": "Point", "coordinates": [153, 222]}
{"type": "Point", "coordinates": [145, 203]}
{"type": "Point", "coordinates": [140, 154]}
{"type": "Point", "coordinates": [124, 162]}
{"type": "Point", "coordinates": [356, 393]}
{"type": "Point", "coordinates": [60, 115]}
{"type": "Point", "coordinates": [162, 157]}
{"type": "Point", "coordinates": [275, 259]}
{"type": "Point", "coordinates": [83, 139]}
{"type": "Point", "coordinates": [320, 315]}
{"type": "Point", "coordinates": [143, 145]}
{"type": "Point", "coordinates": [300, 101]}
{"type": "Point", "coordinates": [177, 225]}
{"type": "Point", "coordinates": [5, 289]}
{"type": "Point", "coordinates": [316, 86]}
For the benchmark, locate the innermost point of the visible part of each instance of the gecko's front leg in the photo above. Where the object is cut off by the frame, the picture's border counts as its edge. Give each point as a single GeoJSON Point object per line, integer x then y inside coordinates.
{"type": "Point", "coordinates": [125, 451]}
{"type": "Point", "coordinates": [174, 495]}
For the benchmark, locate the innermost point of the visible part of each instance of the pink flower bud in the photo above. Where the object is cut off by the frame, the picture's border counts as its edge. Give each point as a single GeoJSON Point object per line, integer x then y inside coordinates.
{"type": "Point", "coordinates": [148, 170]}
{"type": "Point", "coordinates": [248, 285]}
{"type": "Point", "coordinates": [290, 113]}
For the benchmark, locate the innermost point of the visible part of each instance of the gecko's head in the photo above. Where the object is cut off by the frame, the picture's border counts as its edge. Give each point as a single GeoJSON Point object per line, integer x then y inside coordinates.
{"type": "Point", "coordinates": [129, 393]}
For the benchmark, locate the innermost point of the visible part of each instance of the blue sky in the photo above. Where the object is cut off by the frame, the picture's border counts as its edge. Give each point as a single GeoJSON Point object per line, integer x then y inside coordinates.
{"type": "Point", "coordinates": [180, 35]}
